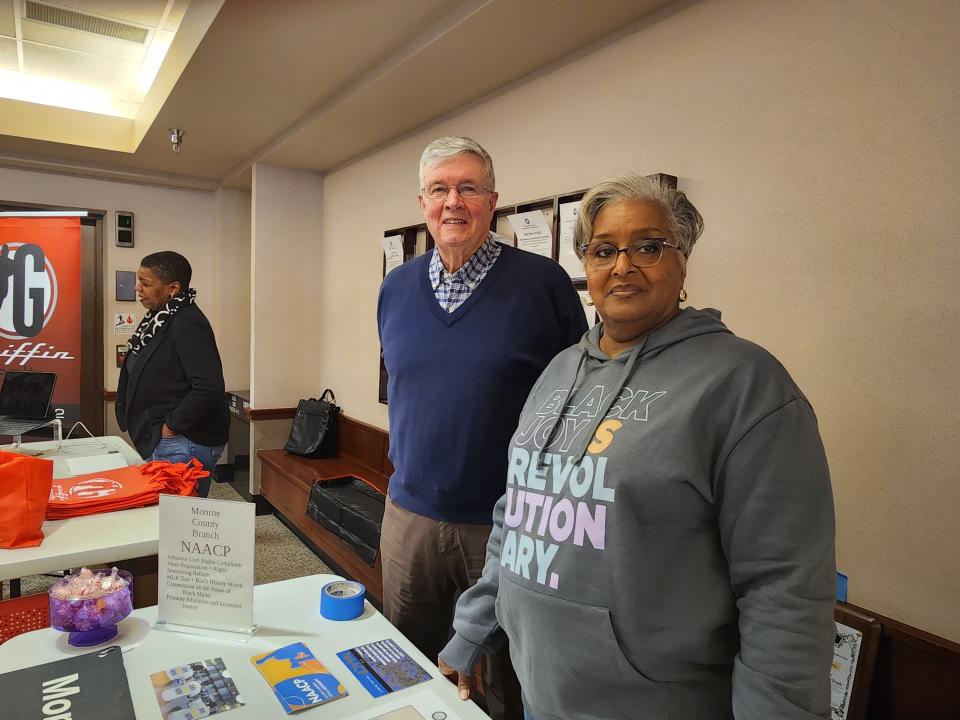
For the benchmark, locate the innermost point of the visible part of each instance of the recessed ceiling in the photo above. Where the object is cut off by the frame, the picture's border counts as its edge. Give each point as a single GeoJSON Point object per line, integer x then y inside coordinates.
{"type": "Point", "coordinates": [298, 83]}
{"type": "Point", "coordinates": [100, 57]}
{"type": "Point", "coordinates": [93, 62]}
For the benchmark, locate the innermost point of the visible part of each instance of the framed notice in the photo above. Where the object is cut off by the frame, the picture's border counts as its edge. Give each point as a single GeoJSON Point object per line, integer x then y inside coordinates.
{"type": "Point", "coordinates": [854, 655]}
{"type": "Point", "coordinates": [205, 565]}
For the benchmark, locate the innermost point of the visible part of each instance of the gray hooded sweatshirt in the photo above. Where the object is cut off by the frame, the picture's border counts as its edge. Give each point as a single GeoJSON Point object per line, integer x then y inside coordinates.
{"type": "Point", "coordinates": [665, 547]}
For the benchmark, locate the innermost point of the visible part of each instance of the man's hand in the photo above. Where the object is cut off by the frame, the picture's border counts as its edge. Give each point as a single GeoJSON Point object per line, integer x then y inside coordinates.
{"type": "Point", "coordinates": [166, 432]}
{"type": "Point", "coordinates": [465, 683]}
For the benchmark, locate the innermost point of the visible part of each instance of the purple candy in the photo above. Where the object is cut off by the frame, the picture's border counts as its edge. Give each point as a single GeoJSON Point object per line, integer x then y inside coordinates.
{"type": "Point", "coordinates": [74, 614]}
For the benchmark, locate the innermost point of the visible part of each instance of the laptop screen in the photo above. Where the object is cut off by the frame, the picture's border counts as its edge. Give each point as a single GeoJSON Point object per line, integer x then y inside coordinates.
{"type": "Point", "coordinates": [27, 394]}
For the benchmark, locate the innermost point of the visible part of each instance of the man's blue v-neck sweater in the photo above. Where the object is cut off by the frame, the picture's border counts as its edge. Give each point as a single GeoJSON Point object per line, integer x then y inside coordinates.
{"type": "Point", "coordinates": [457, 381]}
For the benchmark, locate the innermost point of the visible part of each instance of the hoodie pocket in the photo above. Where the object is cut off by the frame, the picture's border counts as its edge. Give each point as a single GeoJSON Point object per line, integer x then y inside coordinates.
{"type": "Point", "coordinates": [569, 661]}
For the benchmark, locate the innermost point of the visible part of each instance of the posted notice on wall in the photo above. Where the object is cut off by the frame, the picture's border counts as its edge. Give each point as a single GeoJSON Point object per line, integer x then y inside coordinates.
{"type": "Point", "coordinates": [566, 255]}
{"type": "Point", "coordinates": [205, 564]}
{"type": "Point", "coordinates": [533, 232]}
{"type": "Point", "coordinates": [124, 323]}
{"type": "Point", "coordinates": [392, 252]}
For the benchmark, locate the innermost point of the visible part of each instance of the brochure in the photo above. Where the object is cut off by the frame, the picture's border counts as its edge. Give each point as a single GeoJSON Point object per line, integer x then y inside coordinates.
{"type": "Point", "coordinates": [196, 690]}
{"type": "Point", "coordinates": [83, 687]}
{"type": "Point", "coordinates": [383, 667]}
{"type": "Point", "coordinates": [298, 679]}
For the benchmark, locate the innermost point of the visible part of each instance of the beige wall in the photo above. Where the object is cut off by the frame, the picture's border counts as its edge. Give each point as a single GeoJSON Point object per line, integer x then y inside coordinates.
{"type": "Point", "coordinates": [285, 266]}
{"type": "Point", "coordinates": [819, 140]}
{"type": "Point", "coordinates": [231, 248]}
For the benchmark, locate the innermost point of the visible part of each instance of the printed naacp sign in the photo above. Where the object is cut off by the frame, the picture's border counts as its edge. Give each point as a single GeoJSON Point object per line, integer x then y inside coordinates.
{"type": "Point", "coordinates": [206, 564]}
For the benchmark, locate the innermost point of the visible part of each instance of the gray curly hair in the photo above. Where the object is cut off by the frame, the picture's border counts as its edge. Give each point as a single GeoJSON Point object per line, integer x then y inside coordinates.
{"type": "Point", "coordinates": [686, 223]}
{"type": "Point", "coordinates": [446, 147]}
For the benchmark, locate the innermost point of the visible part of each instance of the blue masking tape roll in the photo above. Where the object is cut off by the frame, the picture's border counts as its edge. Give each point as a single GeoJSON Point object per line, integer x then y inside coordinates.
{"type": "Point", "coordinates": [342, 600]}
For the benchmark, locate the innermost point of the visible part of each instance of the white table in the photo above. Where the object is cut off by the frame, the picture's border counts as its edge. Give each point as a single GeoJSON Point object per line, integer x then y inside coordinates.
{"type": "Point", "coordinates": [89, 540]}
{"type": "Point", "coordinates": [76, 448]}
{"type": "Point", "coordinates": [287, 612]}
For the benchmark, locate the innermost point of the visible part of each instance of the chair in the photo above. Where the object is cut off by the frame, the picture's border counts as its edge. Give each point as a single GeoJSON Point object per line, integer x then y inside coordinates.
{"type": "Point", "coordinates": [23, 614]}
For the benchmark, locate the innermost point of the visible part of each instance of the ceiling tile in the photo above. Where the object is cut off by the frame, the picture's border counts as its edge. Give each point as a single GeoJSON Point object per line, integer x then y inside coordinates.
{"type": "Point", "coordinates": [84, 42]}
{"type": "Point", "coordinates": [99, 72]}
{"type": "Point", "coordinates": [140, 12]}
{"type": "Point", "coordinates": [8, 54]}
{"type": "Point", "coordinates": [7, 25]}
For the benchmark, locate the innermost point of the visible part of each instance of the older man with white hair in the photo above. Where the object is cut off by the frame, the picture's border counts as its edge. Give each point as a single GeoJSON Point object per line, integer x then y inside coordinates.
{"type": "Point", "coordinates": [466, 330]}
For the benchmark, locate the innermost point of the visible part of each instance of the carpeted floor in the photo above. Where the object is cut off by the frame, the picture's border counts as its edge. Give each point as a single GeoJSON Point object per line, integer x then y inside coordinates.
{"type": "Point", "coordinates": [279, 553]}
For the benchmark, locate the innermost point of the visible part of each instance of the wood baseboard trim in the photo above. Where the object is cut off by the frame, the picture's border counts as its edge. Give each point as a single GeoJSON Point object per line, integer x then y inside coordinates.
{"type": "Point", "coordinates": [255, 414]}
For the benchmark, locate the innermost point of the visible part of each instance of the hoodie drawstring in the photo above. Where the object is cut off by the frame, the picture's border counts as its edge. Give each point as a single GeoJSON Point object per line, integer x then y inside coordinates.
{"type": "Point", "coordinates": [559, 418]}
{"type": "Point", "coordinates": [587, 437]}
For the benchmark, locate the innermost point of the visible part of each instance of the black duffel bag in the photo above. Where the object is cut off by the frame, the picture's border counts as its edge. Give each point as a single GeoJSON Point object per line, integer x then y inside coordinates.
{"type": "Point", "coordinates": [351, 509]}
{"type": "Point", "coordinates": [316, 428]}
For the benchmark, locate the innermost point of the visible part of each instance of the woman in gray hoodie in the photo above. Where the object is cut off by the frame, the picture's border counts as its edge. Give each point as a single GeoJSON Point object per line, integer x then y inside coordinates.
{"type": "Point", "coordinates": [665, 547]}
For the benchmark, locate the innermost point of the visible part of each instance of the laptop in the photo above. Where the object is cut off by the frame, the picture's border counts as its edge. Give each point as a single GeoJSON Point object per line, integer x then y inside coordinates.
{"type": "Point", "coordinates": [25, 401]}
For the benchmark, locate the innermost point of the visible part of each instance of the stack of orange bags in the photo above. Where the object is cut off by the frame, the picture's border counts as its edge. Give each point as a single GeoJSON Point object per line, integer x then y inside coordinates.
{"type": "Point", "coordinates": [129, 487]}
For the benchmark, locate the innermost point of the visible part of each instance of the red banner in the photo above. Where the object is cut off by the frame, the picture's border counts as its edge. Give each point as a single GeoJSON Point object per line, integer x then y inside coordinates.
{"type": "Point", "coordinates": [40, 286]}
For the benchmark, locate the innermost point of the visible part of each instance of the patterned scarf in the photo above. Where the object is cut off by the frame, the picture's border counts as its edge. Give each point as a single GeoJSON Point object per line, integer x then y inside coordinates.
{"type": "Point", "coordinates": [156, 319]}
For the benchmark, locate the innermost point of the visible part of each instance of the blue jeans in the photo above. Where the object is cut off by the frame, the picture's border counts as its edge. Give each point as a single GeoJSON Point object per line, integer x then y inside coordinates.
{"type": "Point", "coordinates": [179, 449]}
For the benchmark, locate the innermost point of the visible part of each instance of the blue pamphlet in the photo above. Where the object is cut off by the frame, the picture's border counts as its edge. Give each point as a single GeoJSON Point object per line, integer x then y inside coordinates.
{"type": "Point", "coordinates": [383, 667]}
{"type": "Point", "coordinates": [298, 679]}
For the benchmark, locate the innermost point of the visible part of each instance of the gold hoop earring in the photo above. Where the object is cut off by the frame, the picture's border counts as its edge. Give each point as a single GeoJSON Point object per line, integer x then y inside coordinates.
{"type": "Point", "coordinates": [683, 295]}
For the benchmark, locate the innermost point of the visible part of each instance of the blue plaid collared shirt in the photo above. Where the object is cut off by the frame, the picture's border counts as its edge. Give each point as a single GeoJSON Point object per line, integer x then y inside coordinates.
{"type": "Point", "coordinates": [453, 289]}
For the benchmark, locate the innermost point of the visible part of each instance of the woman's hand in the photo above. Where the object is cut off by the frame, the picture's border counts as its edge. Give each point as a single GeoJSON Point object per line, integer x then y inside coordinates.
{"type": "Point", "coordinates": [465, 683]}
{"type": "Point", "coordinates": [166, 432]}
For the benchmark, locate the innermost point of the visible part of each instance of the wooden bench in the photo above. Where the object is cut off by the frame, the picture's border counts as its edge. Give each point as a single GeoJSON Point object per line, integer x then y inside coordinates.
{"type": "Point", "coordinates": [285, 481]}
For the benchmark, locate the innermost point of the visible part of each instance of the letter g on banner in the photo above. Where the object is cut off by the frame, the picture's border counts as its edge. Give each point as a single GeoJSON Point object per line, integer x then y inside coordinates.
{"type": "Point", "coordinates": [28, 290]}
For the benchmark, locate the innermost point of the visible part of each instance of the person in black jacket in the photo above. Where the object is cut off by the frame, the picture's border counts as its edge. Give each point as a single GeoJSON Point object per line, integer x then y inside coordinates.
{"type": "Point", "coordinates": [170, 397]}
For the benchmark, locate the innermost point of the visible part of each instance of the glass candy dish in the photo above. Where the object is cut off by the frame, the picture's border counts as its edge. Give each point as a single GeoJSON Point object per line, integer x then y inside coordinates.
{"type": "Point", "coordinates": [89, 604]}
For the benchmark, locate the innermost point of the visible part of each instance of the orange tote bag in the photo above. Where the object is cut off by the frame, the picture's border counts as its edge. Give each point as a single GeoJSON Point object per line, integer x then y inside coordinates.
{"type": "Point", "coordinates": [24, 491]}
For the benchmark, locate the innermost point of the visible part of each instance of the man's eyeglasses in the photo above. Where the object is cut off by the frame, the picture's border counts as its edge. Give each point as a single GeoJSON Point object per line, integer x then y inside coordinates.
{"type": "Point", "coordinates": [641, 253]}
{"type": "Point", "coordinates": [468, 191]}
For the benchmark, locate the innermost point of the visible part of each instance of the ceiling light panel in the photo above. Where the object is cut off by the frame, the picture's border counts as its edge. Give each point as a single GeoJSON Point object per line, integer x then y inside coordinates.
{"type": "Point", "coordinates": [82, 42]}
{"type": "Point", "coordinates": [78, 67]}
{"type": "Point", "coordinates": [82, 70]}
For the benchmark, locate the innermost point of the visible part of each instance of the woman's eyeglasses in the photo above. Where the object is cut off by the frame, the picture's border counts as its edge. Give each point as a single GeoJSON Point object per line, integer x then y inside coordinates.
{"type": "Point", "coordinates": [641, 253]}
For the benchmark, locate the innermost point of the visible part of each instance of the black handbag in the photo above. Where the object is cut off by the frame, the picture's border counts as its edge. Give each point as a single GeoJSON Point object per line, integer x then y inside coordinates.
{"type": "Point", "coordinates": [316, 428]}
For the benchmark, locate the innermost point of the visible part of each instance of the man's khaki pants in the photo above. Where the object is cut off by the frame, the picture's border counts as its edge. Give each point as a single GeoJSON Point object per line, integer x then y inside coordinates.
{"type": "Point", "coordinates": [426, 564]}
